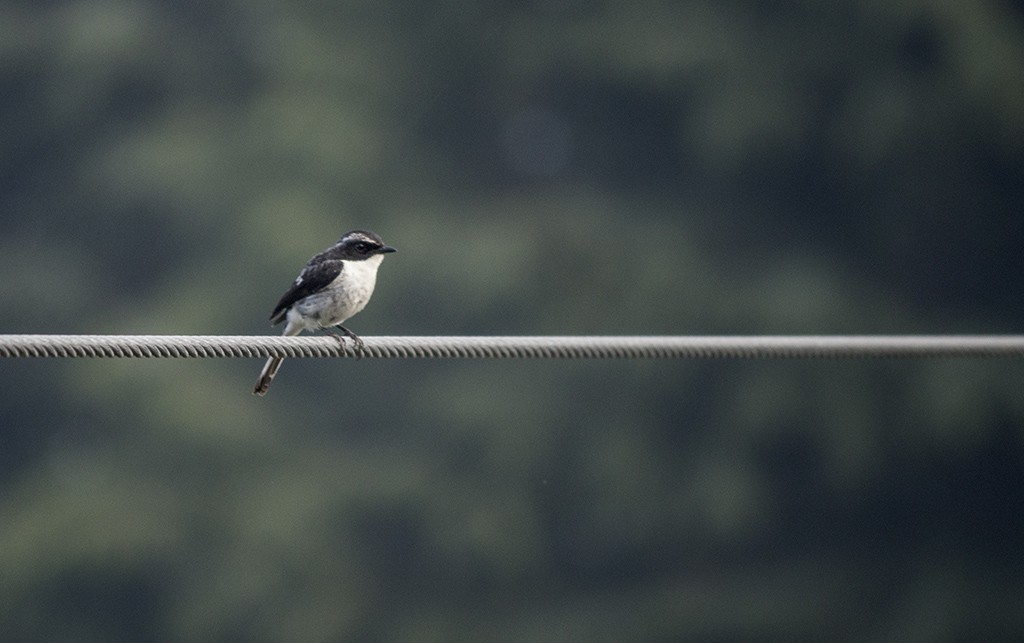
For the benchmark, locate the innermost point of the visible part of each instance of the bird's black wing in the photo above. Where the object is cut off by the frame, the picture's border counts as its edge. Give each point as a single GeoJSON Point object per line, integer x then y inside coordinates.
{"type": "Point", "coordinates": [317, 275]}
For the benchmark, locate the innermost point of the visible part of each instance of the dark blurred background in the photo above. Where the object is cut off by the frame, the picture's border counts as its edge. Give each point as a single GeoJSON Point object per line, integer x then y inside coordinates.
{"type": "Point", "coordinates": [547, 167]}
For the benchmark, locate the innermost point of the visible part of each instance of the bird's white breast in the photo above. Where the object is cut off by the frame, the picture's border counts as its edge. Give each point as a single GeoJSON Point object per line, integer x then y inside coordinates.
{"type": "Point", "coordinates": [344, 297]}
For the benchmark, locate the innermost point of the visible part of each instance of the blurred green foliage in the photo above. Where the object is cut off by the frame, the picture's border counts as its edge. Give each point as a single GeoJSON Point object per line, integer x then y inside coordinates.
{"type": "Point", "coordinates": [558, 167]}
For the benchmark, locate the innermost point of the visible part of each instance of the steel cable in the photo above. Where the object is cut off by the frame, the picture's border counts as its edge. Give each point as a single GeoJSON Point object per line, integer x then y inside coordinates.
{"type": "Point", "coordinates": [553, 347]}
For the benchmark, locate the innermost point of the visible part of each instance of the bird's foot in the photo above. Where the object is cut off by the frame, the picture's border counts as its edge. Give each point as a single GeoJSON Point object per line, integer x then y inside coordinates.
{"type": "Point", "coordinates": [356, 339]}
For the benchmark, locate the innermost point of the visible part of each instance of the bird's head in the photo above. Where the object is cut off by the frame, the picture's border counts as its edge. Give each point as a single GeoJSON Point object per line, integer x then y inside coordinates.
{"type": "Point", "coordinates": [359, 245]}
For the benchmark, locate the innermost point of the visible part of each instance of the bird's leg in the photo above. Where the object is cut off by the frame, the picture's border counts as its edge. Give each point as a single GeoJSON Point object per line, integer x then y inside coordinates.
{"type": "Point", "coordinates": [355, 338]}
{"type": "Point", "coordinates": [341, 338]}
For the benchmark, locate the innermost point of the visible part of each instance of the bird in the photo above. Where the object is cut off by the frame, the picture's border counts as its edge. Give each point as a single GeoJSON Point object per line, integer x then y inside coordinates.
{"type": "Point", "coordinates": [332, 287]}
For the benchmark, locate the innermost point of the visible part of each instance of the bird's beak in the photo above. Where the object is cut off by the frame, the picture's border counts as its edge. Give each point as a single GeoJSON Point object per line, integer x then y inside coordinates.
{"type": "Point", "coordinates": [386, 249]}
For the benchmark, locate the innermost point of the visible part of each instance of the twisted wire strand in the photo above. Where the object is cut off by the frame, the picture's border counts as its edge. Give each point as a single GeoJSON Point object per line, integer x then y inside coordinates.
{"type": "Point", "coordinates": [553, 347]}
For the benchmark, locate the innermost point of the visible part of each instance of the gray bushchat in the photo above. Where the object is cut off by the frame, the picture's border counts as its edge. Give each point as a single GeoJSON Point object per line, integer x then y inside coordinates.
{"type": "Point", "coordinates": [335, 285]}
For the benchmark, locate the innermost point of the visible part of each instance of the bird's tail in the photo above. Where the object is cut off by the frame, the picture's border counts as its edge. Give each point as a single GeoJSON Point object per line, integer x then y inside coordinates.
{"type": "Point", "coordinates": [274, 363]}
{"type": "Point", "coordinates": [266, 375]}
